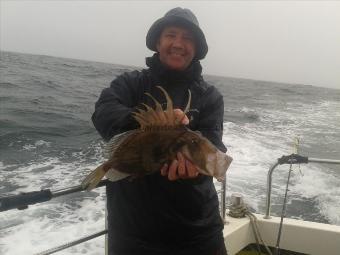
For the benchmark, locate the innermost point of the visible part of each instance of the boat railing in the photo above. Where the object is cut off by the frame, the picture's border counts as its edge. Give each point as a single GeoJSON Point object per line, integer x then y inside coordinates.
{"type": "Point", "coordinates": [23, 200]}
{"type": "Point", "coordinates": [290, 160]}
{"type": "Point", "coordinates": [222, 199]}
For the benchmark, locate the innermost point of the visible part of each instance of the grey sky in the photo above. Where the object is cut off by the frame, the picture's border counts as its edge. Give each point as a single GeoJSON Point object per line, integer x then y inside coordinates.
{"type": "Point", "coordinates": [284, 41]}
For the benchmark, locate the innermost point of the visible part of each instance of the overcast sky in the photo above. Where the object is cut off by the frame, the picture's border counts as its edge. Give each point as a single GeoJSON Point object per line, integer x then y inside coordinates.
{"type": "Point", "coordinates": [284, 41]}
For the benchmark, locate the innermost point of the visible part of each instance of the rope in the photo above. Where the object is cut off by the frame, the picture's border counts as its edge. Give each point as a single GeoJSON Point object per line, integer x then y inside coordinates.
{"type": "Point", "coordinates": [283, 213]}
{"type": "Point", "coordinates": [240, 211]}
{"type": "Point", "coordinates": [255, 227]}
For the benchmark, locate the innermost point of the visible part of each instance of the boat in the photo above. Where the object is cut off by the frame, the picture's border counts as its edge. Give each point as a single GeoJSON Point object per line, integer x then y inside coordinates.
{"type": "Point", "coordinates": [282, 235]}
{"type": "Point", "coordinates": [245, 233]}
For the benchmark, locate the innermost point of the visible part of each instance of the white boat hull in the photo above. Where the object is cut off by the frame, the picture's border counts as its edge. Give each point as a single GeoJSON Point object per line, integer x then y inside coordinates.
{"type": "Point", "coordinates": [297, 235]}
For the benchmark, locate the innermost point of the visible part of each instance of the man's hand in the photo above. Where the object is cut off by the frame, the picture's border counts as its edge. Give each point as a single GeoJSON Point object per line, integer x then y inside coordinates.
{"type": "Point", "coordinates": [180, 168]}
{"type": "Point", "coordinates": [180, 116]}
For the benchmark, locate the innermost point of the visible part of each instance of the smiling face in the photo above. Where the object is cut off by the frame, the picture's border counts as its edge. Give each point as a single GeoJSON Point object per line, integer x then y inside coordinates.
{"type": "Point", "coordinates": [176, 47]}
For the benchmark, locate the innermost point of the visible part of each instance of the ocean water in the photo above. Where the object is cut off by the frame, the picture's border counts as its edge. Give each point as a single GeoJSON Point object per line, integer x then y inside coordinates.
{"type": "Point", "coordinates": [47, 141]}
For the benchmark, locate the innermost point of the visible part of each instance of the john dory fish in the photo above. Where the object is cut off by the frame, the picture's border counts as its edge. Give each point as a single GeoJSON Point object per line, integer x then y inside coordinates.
{"type": "Point", "coordinates": [145, 150]}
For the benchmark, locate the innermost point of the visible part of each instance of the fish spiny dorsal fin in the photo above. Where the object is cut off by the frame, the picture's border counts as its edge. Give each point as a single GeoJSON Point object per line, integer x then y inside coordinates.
{"type": "Point", "coordinates": [146, 118]}
{"type": "Point", "coordinates": [151, 115]}
{"type": "Point", "coordinates": [139, 117]}
{"type": "Point", "coordinates": [189, 103]}
{"type": "Point", "coordinates": [157, 118]}
{"type": "Point", "coordinates": [187, 107]}
{"type": "Point", "coordinates": [159, 110]}
{"type": "Point", "coordinates": [169, 108]}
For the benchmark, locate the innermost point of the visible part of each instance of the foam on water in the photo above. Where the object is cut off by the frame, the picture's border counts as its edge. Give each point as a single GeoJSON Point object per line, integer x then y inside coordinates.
{"type": "Point", "coordinates": [55, 223]}
{"type": "Point", "coordinates": [47, 142]}
{"type": "Point", "coordinates": [38, 143]}
{"type": "Point", "coordinates": [319, 184]}
{"type": "Point", "coordinates": [58, 221]}
{"type": "Point", "coordinates": [48, 172]}
{"type": "Point", "coordinates": [255, 146]}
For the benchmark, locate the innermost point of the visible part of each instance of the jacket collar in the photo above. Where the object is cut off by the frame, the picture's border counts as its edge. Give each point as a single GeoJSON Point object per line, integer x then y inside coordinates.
{"type": "Point", "coordinates": [163, 74]}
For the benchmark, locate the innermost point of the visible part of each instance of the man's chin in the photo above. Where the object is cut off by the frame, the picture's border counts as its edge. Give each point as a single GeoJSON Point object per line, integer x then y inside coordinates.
{"type": "Point", "coordinates": [177, 66]}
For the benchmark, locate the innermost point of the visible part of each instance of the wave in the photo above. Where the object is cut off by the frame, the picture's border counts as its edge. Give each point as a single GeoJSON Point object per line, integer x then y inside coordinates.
{"type": "Point", "coordinates": [8, 85]}
{"type": "Point", "coordinates": [241, 116]}
{"type": "Point", "coordinates": [48, 141]}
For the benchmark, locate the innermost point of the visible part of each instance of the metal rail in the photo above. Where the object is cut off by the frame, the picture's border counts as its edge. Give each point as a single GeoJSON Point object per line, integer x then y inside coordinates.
{"type": "Point", "coordinates": [73, 243]}
{"type": "Point", "coordinates": [23, 200]}
{"type": "Point", "coordinates": [291, 159]}
{"type": "Point", "coordinates": [223, 197]}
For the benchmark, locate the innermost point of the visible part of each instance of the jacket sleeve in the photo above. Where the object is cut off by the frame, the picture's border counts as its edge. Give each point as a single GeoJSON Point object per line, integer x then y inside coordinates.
{"type": "Point", "coordinates": [113, 109]}
{"type": "Point", "coordinates": [211, 117]}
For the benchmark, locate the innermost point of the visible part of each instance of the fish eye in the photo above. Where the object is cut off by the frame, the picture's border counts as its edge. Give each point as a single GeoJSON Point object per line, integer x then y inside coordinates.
{"type": "Point", "coordinates": [194, 141]}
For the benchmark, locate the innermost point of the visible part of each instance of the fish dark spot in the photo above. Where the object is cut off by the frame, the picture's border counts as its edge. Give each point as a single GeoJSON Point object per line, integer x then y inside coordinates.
{"type": "Point", "coordinates": [157, 152]}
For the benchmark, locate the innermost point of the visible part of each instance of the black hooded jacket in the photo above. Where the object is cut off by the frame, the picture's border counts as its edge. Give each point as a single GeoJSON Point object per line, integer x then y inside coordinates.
{"type": "Point", "coordinates": [152, 215]}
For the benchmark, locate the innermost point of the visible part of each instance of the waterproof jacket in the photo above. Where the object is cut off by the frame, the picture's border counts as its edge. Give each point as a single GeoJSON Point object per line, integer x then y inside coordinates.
{"type": "Point", "coordinates": [152, 215]}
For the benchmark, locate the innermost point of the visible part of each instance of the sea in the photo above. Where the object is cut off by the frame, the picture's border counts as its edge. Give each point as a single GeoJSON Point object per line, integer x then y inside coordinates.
{"type": "Point", "coordinates": [47, 141]}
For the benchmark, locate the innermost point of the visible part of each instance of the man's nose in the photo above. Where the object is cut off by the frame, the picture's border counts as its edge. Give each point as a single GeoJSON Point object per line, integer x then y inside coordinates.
{"type": "Point", "coordinates": [178, 42]}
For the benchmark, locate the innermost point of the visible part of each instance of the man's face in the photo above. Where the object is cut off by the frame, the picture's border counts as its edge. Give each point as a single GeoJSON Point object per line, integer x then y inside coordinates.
{"type": "Point", "coordinates": [176, 47]}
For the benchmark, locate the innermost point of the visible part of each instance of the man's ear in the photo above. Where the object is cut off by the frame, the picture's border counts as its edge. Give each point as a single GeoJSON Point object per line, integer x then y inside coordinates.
{"type": "Point", "coordinates": [158, 45]}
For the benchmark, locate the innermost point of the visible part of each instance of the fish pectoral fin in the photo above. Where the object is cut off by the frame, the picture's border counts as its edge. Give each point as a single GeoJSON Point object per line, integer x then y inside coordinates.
{"type": "Point", "coordinates": [114, 175]}
{"type": "Point", "coordinates": [92, 180]}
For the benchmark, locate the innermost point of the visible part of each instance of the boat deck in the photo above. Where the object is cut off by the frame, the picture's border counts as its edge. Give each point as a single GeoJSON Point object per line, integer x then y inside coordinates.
{"type": "Point", "coordinates": [301, 237]}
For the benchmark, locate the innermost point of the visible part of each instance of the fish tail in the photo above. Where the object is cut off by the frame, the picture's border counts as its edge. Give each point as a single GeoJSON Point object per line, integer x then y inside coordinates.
{"type": "Point", "coordinates": [92, 180]}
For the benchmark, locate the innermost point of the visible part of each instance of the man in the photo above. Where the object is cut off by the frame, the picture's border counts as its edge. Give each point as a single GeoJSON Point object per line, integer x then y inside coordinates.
{"type": "Point", "coordinates": [174, 211]}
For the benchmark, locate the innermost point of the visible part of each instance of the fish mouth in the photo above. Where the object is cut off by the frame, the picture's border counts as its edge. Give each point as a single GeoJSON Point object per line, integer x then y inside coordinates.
{"type": "Point", "coordinates": [218, 164]}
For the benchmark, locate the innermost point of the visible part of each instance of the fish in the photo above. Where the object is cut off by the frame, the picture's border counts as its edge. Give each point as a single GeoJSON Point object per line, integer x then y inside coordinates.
{"type": "Point", "coordinates": [160, 136]}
